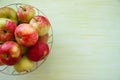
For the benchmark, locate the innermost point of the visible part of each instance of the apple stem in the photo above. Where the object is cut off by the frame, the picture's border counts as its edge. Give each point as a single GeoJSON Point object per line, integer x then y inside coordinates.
{"type": "Point", "coordinates": [35, 19]}
{"type": "Point", "coordinates": [23, 8]}
{"type": "Point", "coordinates": [5, 55]}
{"type": "Point", "coordinates": [1, 43]}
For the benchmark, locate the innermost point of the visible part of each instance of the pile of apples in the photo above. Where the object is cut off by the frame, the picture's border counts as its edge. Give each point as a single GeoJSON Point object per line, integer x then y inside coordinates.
{"type": "Point", "coordinates": [23, 37]}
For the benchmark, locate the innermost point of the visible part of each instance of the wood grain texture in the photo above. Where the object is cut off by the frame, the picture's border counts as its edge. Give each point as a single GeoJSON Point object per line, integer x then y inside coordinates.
{"type": "Point", "coordinates": [86, 40]}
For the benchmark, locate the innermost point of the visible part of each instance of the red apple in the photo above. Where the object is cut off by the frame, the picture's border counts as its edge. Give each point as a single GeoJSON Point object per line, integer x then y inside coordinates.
{"type": "Point", "coordinates": [44, 38]}
{"type": "Point", "coordinates": [25, 13]}
{"type": "Point", "coordinates": [38, 51]}
{"type": "Point", "coordinates": [41, 24]}
{"type": "Point", "coordinates": [10, 53]}
{"type": "Point", "coordinates": [26, 35]}
{"type": "Point", "coordinates": [1, 63]}
{"type": "Point", "coordinates": [7, 28]}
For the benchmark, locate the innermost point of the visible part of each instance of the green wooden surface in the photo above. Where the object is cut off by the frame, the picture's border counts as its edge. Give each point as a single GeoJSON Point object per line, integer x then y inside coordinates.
{"type": "Point", "coordinates": [86, 40]}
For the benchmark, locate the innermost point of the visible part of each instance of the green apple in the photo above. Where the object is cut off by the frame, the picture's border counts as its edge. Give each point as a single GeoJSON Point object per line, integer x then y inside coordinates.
{"type": "Point", "coordinates": [23, 65]}
{"type": "Point", "coordinates": [10, 13]}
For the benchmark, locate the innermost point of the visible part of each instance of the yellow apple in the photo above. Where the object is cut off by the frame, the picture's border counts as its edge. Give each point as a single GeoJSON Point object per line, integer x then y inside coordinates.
{"type": "Point", "coordinates": [23, 65]}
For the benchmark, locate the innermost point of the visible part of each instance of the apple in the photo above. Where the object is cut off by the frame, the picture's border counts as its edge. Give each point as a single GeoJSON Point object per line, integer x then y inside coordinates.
{"type": "Point", "coordinates": [41, 24]}
{"type": "Point", "coordinates": [38, 51]}
{"type": "Point", "coordinates": [24, 50]}
{"type": "Point", "coordinates": [26, 35]}
{"type": "Point", "coordinates": [23, 65]}
{"type": "Point", "coordinates": [44, 38]}
{"type": "Point", "coordinates": [10, 13]}
{"type": "Point", "coordinates": [25, 13]}
{"type": "Point", "coordinates": [1, 63]}
{"type": "Point", "coordinates": [10, 53]}
{"type": "Point", "coordinates": [7, 28]}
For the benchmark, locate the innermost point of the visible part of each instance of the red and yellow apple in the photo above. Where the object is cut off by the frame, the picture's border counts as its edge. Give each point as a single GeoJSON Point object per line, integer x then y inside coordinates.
{"type": "Point", "coordinates": [41, 24]}
{"type": "Point", "coordinates": [25, 13]}
{"type": "Point", "coordinates": [10, 53]}
{"type": "Point", "coordinates": [26, 35]}
{"type": "Point", "coordinates": [38, 51]}
{"type": "Point", "coordinates": [7, 28]}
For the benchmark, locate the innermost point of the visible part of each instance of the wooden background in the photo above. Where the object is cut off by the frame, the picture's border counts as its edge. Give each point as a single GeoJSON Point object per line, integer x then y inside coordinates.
{"type": "Point", "coordinates": [86, 40]}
